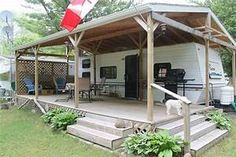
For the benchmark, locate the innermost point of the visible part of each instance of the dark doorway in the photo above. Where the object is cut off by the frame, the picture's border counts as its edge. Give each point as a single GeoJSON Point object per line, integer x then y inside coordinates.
{"type": "Point", "coordinates": [131, 76]}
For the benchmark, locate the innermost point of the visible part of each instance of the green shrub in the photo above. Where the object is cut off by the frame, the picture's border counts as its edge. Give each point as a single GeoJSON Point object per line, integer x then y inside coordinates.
{"type": "Point", "coordinates": [160, 144]}
{"type": "Point", "coordinates": [221, 119]}
{"type": "Point", "coordinates": [61, 120]}
{"type": "Point", "coordinates": [47, 117]}
{"type": "Point", "coordinates": [2, 101]}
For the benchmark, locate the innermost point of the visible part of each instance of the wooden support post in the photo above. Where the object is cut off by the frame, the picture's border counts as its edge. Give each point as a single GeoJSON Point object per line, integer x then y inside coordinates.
{"type": "Point", "coordinates": [67, 59]}
{"type": "Point", "coordinates": [36, 79]}
{"type": "Point", "coordinates": [208, 24]}
{"type": "Point", "coordinates": [234, 72]}
{"type": "Point", "coordinates": [75, 42]}
{"type": "Point", "coordinates": [17, 73]}
{"type": "Point", "coordinates": [140, 67]}
{"type": "Point", "coordinates": [94, 72]}
{"type": "Point", "coordinates": [150, 50]}
{"type": "Point", "coordinates": [76, 78]}
{"type": "Point", "coordinates": [207, 72]}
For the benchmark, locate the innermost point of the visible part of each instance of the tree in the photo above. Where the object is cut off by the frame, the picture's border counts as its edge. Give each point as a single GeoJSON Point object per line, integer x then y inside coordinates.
{"type": "Point", "coordinates": [20, 39]}
{"type": "Point", "coordinates": [225, 11]}
{"type": "Point", "coordinates": [47, 22]}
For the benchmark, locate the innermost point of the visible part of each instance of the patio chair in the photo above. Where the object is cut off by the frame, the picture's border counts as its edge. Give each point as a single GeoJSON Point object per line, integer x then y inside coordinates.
{"type": "Point", "coordinates": [30, 86]}
{"type": "Point", "coordinates": [99, 87]}
{"type": "Point", "coordinates": [60, 84]}
{"type": "Point", "coordinates": [85, 87]}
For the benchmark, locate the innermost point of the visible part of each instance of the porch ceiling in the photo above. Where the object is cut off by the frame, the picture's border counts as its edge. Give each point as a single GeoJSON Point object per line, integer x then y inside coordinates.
{"type": "Point", "coordinates": [124, 33]}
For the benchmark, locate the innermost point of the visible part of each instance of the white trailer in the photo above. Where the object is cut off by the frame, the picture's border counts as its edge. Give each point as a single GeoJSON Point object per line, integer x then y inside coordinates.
{"type": "Point", "coordinates": [7, 72]}
{"type": "Point", "coordinates": [190, 57]}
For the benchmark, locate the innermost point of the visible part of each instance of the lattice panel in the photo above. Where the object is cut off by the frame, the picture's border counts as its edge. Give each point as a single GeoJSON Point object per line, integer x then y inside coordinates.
{"type": "Point", "coordinates": [47, 71]}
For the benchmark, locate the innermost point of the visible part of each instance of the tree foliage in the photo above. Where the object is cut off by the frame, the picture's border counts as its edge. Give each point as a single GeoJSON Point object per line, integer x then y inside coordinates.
{"type": "Point", "coordinates": [47, 22]}
{"type": "Point", "coordinates": [225, 11]}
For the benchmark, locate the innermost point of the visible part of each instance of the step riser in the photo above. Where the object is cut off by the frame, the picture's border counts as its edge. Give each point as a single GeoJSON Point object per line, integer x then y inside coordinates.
{"type": "Point", "coordinates": [209, 145]}
{"type": "Point", "coordinates": [110, 130]}
{"type": "Point", "coordinates": [95, 139]}
{"type": "Point", "coordinates": [180, 128]}
{"type": "Point", "coordinates": [202, 132]}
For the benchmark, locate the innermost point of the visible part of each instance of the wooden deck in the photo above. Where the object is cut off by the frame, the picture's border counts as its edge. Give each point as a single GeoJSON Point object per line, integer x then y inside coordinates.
{"type": "Point", "coordinates": [116, 107]}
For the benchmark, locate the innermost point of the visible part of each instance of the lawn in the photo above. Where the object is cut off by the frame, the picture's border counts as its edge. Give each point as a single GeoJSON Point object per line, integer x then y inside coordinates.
{"type": "Point", "coordinates": [225, 148]}
{"type": "Point", "coordinates": [23, 134]}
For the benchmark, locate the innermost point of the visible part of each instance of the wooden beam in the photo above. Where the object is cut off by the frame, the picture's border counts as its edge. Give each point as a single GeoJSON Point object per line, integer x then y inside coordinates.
{"type": "Point", "coordinates": [156, 24]}
{"type": "Point", "coordinates": [36, 79]}
{"type": "Point", "coordinates": [133, 40]}
{"type": "Point", "coordinates": [177, 34]}
{"type": "Point", "coordinates": [190, 30]}
{"type": "Point", "coordinates": [234, 71]}
{"type": "Point", "coordinates": [150, 56]}
{"type": "Point", "coordinates": [141, 23]}
{"type": "Point", "coordinates": [208, 25]}
{"type": "Point", "coordinates": [46, 54]}
{"type": "Point", "coordinates": [98, 46]}
{"type": "Point", "coordinates": [110, 35]}
{"type": "Point", "coordinates": [215, 30]}
{"type": "Point", "coordinates": [200, 28]}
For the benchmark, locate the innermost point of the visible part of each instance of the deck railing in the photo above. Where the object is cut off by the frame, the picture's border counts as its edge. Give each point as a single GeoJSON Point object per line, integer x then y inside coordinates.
{"type": "Point", "coordinates": [186, 115]}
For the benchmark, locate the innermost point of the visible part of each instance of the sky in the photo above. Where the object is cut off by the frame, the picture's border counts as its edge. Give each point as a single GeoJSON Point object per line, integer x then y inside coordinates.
{"type": "Point", "coordinates": [16, 6]}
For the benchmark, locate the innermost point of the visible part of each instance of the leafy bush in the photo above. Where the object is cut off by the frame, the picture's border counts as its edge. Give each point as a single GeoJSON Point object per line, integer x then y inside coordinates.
{"type": "Point", "coordinates": [61, 120]}
{"type": "Point", "coordinates": [221, 119]}
{"type": "Point", "coordinates": [160, 144]}
{"type": "Point", "coordinates": [47, 117]}
{"type": "Point", "coordinates": [2, 101]}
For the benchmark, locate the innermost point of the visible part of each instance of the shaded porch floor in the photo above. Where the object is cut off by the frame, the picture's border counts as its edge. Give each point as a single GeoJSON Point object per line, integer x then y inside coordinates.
{"type": "Point", "coordinates": [117, 107]}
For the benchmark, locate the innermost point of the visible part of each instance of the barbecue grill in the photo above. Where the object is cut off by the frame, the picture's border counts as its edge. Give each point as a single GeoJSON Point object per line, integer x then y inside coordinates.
{"type": "Point", "coordinates": [170, 77]}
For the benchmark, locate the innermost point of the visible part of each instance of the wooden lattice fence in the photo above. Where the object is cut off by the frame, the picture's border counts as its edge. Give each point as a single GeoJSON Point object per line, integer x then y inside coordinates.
{"type": "Point", "coordinates": [47, 71]}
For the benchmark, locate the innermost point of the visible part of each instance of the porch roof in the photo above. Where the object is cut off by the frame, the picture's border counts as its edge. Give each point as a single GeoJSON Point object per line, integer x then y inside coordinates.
{"type": "Point", "coordinates": [120, 31]}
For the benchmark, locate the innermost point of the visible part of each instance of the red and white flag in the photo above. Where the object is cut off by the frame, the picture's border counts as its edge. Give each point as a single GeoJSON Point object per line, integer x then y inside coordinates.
{"type": "Point", "coordinates": [75, 12]}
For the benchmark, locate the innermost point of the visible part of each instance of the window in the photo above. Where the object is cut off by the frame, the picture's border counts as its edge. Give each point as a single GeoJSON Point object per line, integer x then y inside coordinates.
{"type": "Point", "coordinates": [86, 63]}
{"type": "Point", "coordinates": [86, 74]}
{"type": "Point", "coordinates": [109, 72]}
{"type": "Point", "coordinates": [161, 70]}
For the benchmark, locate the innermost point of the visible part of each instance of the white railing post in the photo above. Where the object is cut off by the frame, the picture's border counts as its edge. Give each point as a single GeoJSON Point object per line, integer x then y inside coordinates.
{"type": "Point", "coordinates": [187, 139]}
{"type": "Point", "coordinates": [186, 109]}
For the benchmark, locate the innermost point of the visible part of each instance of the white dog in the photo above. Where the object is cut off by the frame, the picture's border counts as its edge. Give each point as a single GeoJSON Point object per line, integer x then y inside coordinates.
{"type": "Point", "coordinates": [175, 104]}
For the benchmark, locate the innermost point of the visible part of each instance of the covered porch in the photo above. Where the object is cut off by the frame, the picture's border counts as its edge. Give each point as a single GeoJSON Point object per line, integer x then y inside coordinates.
{"type": "Point", "coordinates": [131, 110]}
{"type": "Point", "coordinates": [141, 29]}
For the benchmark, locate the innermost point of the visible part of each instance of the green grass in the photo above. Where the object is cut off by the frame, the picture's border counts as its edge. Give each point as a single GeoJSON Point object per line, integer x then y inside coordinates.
{"type": "Point", "coordinates": [225, 148]}
{"type": "Point", "coordinates": [23, 134]}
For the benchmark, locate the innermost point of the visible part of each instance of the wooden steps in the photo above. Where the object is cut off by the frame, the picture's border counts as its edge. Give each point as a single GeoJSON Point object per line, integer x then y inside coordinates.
{"type": "Point", "coordinates": [102, 132]}
{"type": "Point", "coordinates": [208, 140]}
{"type": "Point", "coordinates": [204, 134]}
{"type": "Point", "coordinates": [177, 126]}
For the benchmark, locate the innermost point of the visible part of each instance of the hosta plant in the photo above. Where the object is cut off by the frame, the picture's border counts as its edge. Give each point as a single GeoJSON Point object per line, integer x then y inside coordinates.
{"type": "Point", "coordinates": [221, 119]}
{"type": "Point", "coordinates": [47, 117]}
{"type": "Point", "coordinates": [160, 144]}
{"type": "Point", "coordinates": [61, 120]}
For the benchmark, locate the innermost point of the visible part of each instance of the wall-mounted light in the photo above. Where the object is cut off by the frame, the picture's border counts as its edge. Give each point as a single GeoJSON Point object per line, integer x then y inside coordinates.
{"type": "Point", "coordinates": [163, 27]}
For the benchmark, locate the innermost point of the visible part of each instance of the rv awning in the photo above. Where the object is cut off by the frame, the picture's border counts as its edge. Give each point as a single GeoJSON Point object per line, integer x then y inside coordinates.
{"type": "Point", "coordinates": [123, 30]}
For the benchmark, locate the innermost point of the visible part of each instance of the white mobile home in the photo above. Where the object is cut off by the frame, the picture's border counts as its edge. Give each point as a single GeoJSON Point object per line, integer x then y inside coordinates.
{"type": "Point", "coordinates": [189, 57]}
{"type": "Point", "coordinates": [7, 72]}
